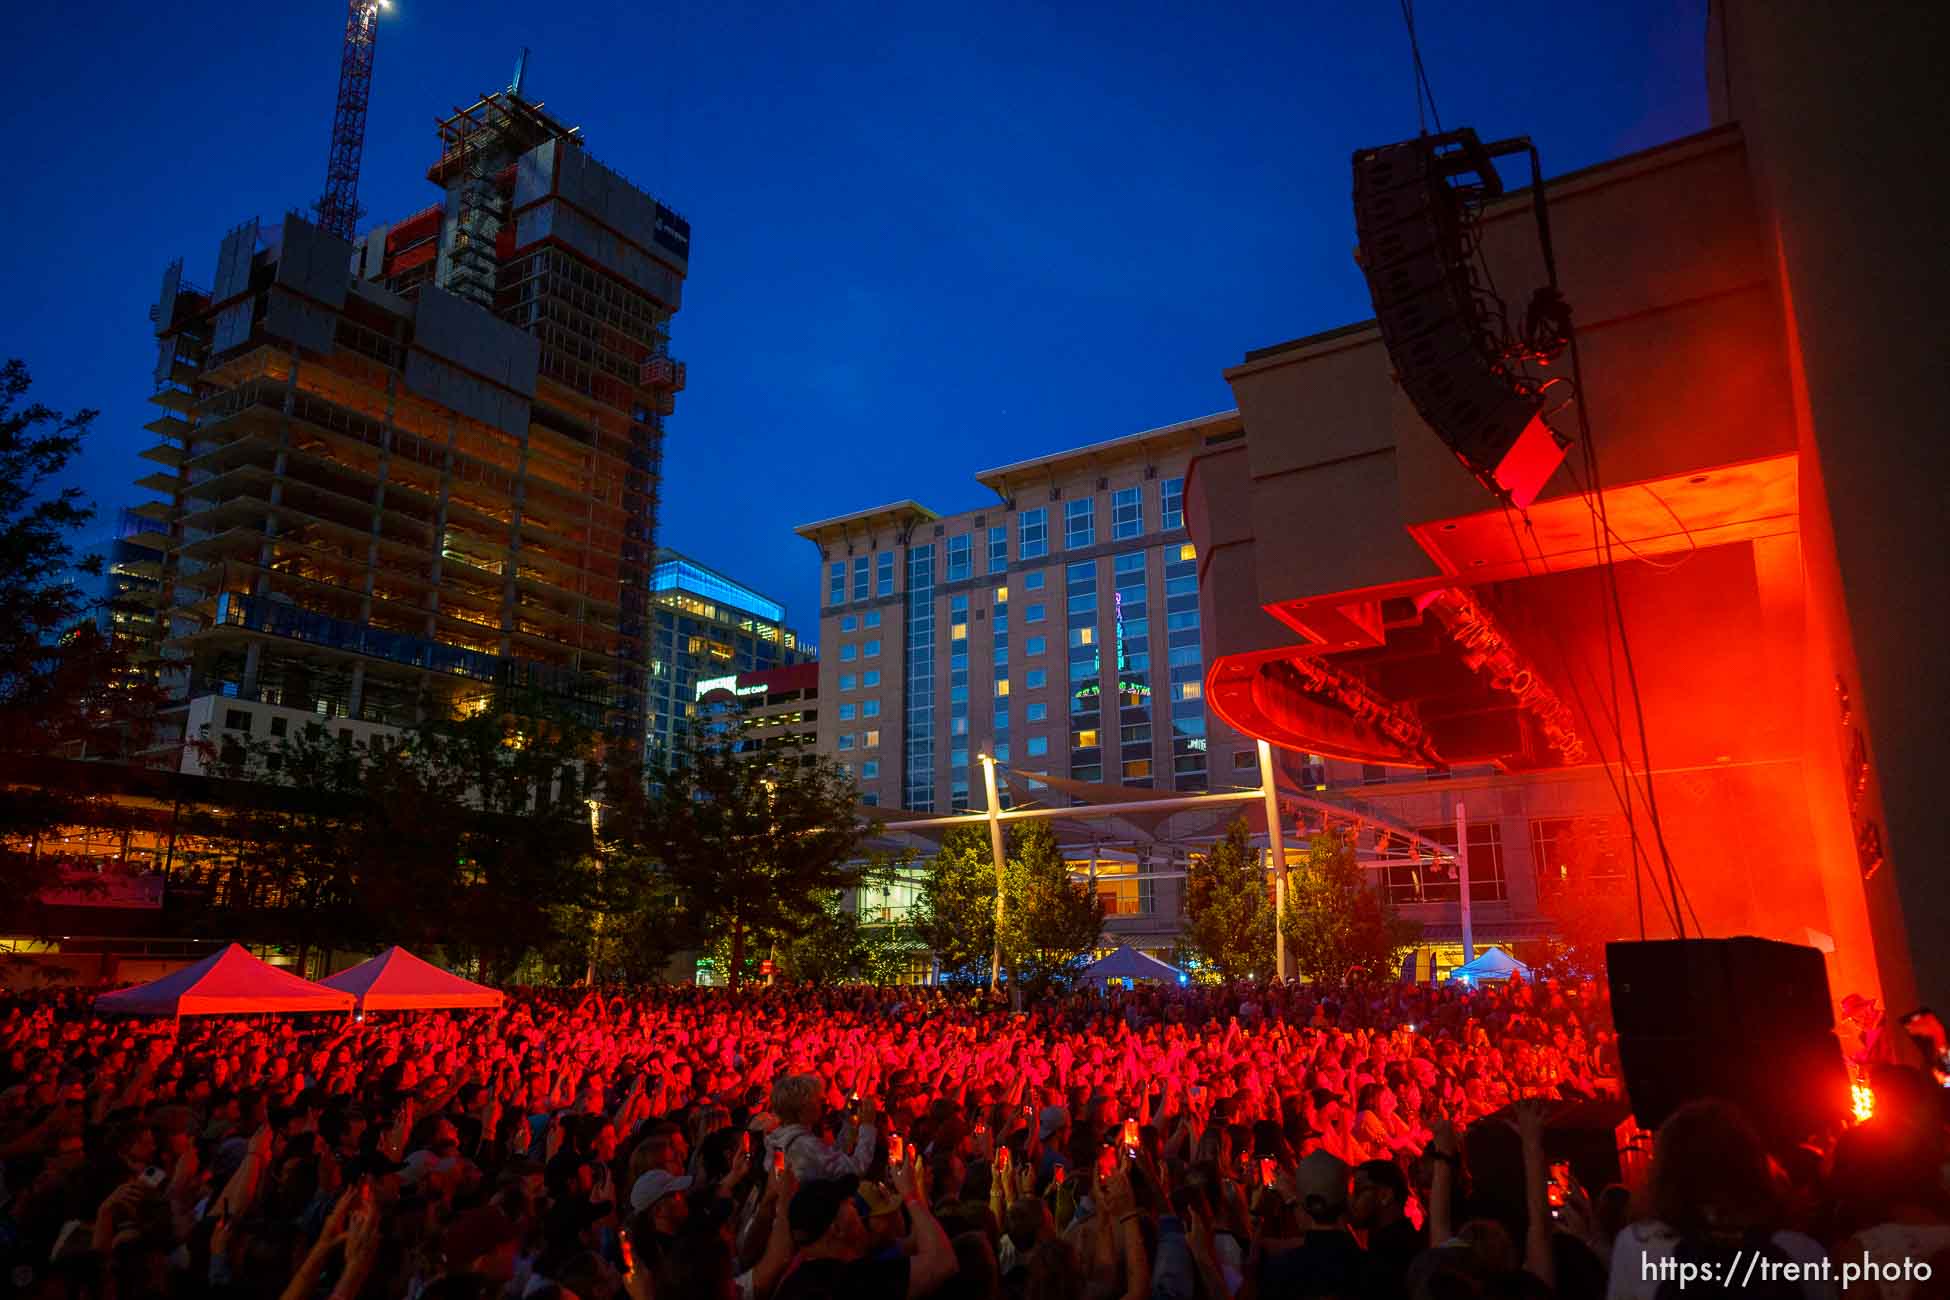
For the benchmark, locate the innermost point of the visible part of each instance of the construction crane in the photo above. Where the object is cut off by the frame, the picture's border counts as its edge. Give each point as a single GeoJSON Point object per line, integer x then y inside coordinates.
{"type": "Point", "coordinates": [338, 207]}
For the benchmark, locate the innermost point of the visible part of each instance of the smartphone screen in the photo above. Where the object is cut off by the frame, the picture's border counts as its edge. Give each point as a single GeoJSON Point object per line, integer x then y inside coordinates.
{"type": "Point", "coordinates": [1130, 1132]}
{"type": "Point", "coordinates": [1267, 1170]}
{"type": "Point", "coordinates": [895, 1148]}
{"type": "Point", "coordinates": [1059, 1173]}
{"type": "Point", "coordinates": [629, 1253]}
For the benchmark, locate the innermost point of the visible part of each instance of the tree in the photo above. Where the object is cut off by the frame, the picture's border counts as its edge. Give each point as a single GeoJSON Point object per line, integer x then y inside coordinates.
{"type": "Point", "coordinates": [58, 673]}
{"type": "Point", "coordinates": [955, 916]}
{"type": "Point", "coordinates": [1335, 922]}
{"type": "Point", "coordinates": [749, 841]}
{"type": "Point", "coordinates": [830, 948]}
{"type": "Point", "coordinates": [1051, 924]}
{"type": "Point", "coordinates": [1228, 917]}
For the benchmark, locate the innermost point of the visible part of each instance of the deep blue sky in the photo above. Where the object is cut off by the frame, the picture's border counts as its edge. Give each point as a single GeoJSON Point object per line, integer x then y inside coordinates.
{"type": "Point", "coordinates": [926, 240]}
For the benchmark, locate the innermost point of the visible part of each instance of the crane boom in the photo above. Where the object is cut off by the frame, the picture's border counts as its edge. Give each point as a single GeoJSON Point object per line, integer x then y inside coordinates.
{"type": "Point", "coordinates": [338, 207]}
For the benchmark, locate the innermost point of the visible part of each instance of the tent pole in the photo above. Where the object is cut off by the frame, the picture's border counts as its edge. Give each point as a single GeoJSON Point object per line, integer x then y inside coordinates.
{"type": "Point", "coordinates": [1276, 848]}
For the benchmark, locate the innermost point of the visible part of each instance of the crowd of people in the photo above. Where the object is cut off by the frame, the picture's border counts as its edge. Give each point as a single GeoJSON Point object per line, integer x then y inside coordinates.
{"type": "Point", "coordinates": [791, 1144]}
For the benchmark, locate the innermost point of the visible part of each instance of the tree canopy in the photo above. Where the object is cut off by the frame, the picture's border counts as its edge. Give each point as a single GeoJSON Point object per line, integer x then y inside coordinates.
{"type": "Point", "coordinates": [1335, 922]}
{"type": "Point", "coordinates": [1228, 917]}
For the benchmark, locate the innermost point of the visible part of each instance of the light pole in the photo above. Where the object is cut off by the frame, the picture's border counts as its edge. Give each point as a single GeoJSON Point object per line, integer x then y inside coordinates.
{"type": "Point", "coordinates": [1276, 846]}
{"type": "Point", "coordinates": [995, 848]}
{"type": "Point", "coordinates": [596, 921]}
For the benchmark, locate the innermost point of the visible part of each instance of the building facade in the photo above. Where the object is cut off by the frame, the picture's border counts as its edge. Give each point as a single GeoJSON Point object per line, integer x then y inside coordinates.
{"type": "Point", "coordinates": [401, 476]}
{"type": "Point", "coordinates": [1056, 630]}
{"type": "Point", "coordinates": [713, 639]}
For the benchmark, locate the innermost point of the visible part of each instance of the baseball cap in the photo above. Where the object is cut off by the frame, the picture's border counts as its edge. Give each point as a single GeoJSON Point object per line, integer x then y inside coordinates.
{"type": "Point", "coordinates": [816, 1204]}
{"type": "Point", "coordinates": [653, 1187]}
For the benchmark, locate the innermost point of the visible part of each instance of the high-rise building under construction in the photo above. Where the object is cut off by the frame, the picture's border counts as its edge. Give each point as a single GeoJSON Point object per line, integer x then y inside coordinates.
{"type": "Point", "coordinates": [405, 474]}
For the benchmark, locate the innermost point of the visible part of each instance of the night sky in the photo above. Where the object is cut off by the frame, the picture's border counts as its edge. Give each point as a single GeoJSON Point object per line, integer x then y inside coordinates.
{"type": "Point", "coordinates": [927, 240]}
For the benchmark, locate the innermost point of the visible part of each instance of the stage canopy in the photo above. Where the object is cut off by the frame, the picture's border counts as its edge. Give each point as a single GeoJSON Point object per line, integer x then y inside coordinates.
{"type": "Point", "coordinates": [396, 980]}
{"type": "Point", "coordinates": [1127, 963]}
{"type": "Point", "coordinates": [231, 982]}
{"type": "Point", "coordinates": [1491, 964]}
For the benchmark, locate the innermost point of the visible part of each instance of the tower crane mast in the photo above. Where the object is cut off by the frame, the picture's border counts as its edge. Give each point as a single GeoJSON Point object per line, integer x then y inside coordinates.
{"type": "Point", "coordinates": [338, 207]}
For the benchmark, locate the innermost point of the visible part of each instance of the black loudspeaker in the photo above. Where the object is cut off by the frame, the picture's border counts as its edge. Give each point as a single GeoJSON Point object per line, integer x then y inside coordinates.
{"type": "Point", "coordinates": [1412, 218]}
{"type": "Point", "coordinates": [1746, 1020]}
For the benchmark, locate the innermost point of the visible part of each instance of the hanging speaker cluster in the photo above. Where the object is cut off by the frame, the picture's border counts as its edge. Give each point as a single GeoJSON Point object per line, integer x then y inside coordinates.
{"type": "Point", "coordinates": [1414, 208]}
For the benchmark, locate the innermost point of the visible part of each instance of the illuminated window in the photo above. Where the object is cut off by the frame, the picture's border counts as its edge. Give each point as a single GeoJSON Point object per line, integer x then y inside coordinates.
{"type": "Point", "coordinates": [958, 632]}
{"type": "Point", "coordinates": [870, 739]}
{"type": "Point", "coordinates": [1002, 686]}
{"type": "Point", "coordinates": [1083, 636]}
{"type": "Point", "coordinates": [1187, 551]}
{"type": "Point", "coordinates": [1186, 690]}
{"type": "Point", "coordinates": [1001, 595]}
{"type": "Point", "coordinates": [1137, 767]}
{"type": "Point", "coordinates": [1085, 739]}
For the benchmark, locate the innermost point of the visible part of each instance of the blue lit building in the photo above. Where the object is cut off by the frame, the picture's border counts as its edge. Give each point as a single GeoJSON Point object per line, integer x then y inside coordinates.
{"type": "Point", "coordinates": [706, 627]}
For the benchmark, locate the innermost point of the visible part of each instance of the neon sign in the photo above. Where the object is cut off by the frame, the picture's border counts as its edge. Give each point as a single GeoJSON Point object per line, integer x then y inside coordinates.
{"type": "Point", "coordinates": [1125, 685]}
{"type": "Point", "coordinates": [710, 684]}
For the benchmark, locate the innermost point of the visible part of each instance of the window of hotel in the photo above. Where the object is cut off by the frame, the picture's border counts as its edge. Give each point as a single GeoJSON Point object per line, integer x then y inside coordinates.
{"type": "Point", "coordinates": [846, 713]}
{"type": "Point", "coordinates": [872, 648]}
{"type": "Point", "coordinates": [870, 678]}
{"type": "Point", "coordinates": [1588, 854]}
{"type": "Point", "coordinates": [1083, 636]}
{"type": "Point", "coordinates": [872, 618]}
{"type": "Point", "coordinates": [998, 549]}
{"type": "Point", "coordinates": [1079, 523]}
{"type": "Point", "coordinates": [1187, 690]}
{"type": "Point", "coordinates": [871, 709]}
{"type": "Point", "coordinates": [884, 578]}
{"type": "Point", "coordinates": [1033, 581]}
{"type": "Point", "coordinates": [846, 681]}
{"type": "Point", "coordinates": [1038, 746]}
{"type": "Point", "coordinates": [846, 740]}
{"type": "Point", "coordinates": [1037, 713]}
{"type": "Point", "coordinates": [861, 571]}
{"type": "Point", "coordinates": [870, 739]}
{"type": "Point", "coordinates": [836, 583]}
{"type": "Point", "coordinates": [1084, 739]}
{"type": "Point", "coordinates": [1429, 878]}
{"type": "Point", "coordinates": [1032, 533]}
{"type": "Point", "coordinates": [1127, 513]}
{"type": "Point", "coordinates": [1136, 767]}
{"type": "Point", "coordinates": [1171, 503]}
{"type": "Point", "coordinates": [1034, 614]}
{"type": "Point", "coordinates": [1002, 686]}
{"type": "Point", "coordinates": [849, 652]}
{"type": "Point", "coordinates": [1244, 760]}
{"type": "Point", "coordinates": [961, 557]}
{"type": "Point", "coordinates": [870, 770]}
{"type": "Point", "coordinates": [1035, 679]}
{"type": "Point", "coordinates": [849, 624]}
{"type": "Point", "coordinates": [1035, 645]}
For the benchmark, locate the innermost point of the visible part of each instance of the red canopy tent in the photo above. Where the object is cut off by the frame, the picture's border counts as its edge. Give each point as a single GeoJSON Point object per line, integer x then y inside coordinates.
{"type": "Point", "coordinates": [231, 982]}
{"type": "Point", "coordinates": [396, 980]}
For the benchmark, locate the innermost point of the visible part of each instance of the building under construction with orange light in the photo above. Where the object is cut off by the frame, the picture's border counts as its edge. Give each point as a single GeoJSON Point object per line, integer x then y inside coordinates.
{"type": "Point", "coordinates": [402, 475]}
